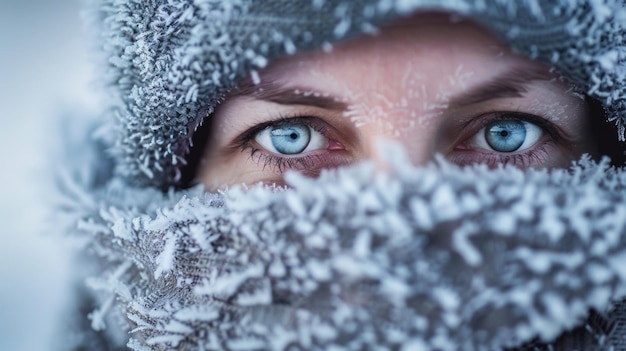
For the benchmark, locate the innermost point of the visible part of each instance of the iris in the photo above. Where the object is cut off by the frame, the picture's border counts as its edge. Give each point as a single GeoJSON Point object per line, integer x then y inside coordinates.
{"type": "Point", "coordinates": [290, 138]}
{"type": "Point", "coordinates": [506, 135]}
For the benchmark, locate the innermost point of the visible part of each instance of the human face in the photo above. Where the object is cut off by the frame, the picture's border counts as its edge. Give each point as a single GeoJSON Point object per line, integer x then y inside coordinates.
{"type": "Point", "coordinates": [434, 85]}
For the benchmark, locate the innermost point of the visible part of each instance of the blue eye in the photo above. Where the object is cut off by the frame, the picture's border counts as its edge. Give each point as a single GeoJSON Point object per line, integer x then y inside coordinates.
{"type": "Point", "coordinates": [507, 135]}
{"type": "Point", "coordinates": [290, 138]}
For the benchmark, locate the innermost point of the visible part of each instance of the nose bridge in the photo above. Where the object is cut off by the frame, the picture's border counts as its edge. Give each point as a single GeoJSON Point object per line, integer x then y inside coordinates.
{"type": "Point", "coordinates": [417, 141]}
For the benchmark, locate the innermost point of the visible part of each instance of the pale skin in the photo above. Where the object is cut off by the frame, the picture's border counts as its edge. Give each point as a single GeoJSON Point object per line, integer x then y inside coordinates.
{"type": "Point", "coordinates": [433, 85]}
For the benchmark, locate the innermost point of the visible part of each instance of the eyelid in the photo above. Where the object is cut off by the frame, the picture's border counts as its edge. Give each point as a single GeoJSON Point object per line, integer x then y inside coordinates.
{"type": "Point", "coordinates": [544, 152]}
{"type": "Point", "coordinates": [310, 163]}
{"type": "Point", "coordinates": [316, 123]}
{"type": "Point", "coordinates": [474, 125]}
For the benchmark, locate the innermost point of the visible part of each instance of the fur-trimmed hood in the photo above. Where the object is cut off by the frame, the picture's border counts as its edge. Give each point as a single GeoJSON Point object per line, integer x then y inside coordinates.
{"type": "Point", "coordinates": [417, 258]}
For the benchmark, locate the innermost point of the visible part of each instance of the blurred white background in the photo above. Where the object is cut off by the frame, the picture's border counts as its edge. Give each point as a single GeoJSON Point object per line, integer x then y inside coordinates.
{"type": "Point", "coordinates": [44, 72]}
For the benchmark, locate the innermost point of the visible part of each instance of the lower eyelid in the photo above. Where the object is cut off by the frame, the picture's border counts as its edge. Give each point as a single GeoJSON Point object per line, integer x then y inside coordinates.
{"type": "Point", "coordinates": [541, 155]}
{"type": "Point", "coordinates": [309, 164]}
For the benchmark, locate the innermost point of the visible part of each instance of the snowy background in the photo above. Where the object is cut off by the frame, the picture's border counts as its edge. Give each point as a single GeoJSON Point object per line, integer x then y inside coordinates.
{"type": "Point", "coordinates": [44, 72]}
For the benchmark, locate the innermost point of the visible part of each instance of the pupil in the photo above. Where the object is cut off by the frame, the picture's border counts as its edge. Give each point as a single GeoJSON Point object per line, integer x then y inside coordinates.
{"type": "Point", "coordinates": [506, 135]}
{"type": "Point", "coordinates": [290, 138]}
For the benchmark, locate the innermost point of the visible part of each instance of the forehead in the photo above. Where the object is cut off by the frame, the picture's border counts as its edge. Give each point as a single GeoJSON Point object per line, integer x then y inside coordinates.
{"type": "Point", "coordinates": [432, 51]}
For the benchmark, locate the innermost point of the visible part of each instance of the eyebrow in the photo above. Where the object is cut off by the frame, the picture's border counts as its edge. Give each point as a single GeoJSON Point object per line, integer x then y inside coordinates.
{"type": "Point", "coordinates": [509, 84]}
{"type": "Point", "coordinates": [278, 93]}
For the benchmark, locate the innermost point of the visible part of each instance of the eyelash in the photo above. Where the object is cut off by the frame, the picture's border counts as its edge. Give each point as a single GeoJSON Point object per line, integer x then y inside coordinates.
{"type": "Point", "coordinates": [281, 164]}
{"type": "Point", "coordinates": [526, 158]}
{"type": "Point", "coordinates": [277, 163]}
{"type": "Point", "coordinates": [537, 155]}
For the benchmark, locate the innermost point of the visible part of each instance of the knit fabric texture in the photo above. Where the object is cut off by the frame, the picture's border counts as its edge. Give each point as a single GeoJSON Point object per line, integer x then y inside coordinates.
{"type": "Point", "coordinates": [172, 61]}
{"type": "Point", "coordinates": [431, 258]}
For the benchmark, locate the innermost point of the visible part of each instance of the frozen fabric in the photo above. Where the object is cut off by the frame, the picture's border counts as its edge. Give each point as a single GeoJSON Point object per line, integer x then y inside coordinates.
{"type": "Point", "coordinates": [427, 258]}
{"type": "Point", "coordinates": [434, 258]}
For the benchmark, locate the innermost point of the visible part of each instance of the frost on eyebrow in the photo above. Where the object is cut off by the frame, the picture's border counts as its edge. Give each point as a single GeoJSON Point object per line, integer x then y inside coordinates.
{"type": "Point", "coordinates": [416, 101]}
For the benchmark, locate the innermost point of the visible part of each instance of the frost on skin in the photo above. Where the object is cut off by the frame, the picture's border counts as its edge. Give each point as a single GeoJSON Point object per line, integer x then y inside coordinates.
{"type": "Point", "coordinates": [421, 102]}
{"type": "Point", "coordinates": [355, 252]}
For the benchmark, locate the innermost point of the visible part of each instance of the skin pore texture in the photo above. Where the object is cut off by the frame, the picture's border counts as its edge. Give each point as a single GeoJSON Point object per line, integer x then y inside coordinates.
{"type": "Point", "coordinates": [434, 84]}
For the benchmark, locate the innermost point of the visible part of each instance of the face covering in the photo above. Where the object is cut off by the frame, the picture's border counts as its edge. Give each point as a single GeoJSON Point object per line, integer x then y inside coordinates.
{"type": "Point", "coordinates": [432, 258]}
{"type": "Point", "coordinates": [416, 258]}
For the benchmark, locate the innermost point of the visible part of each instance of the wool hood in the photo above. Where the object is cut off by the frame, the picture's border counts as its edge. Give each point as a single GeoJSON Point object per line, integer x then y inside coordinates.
{"type": "Point", "coordinates": [436, 257]}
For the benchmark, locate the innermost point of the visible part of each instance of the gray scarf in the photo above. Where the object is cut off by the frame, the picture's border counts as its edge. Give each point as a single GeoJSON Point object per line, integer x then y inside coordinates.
{"type": "Point", "coordinates": [431, 258]}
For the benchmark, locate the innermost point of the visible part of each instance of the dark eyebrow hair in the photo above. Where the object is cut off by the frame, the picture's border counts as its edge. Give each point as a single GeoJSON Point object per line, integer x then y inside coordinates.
{"type": "Point", "coordinates": [278, 93]}
{"type": "Point", "coordinates": [512, 83]}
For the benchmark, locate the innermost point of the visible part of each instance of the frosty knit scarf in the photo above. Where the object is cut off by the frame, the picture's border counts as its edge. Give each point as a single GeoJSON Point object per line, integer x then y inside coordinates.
{"type": "Point", "coordinates": [434, 258]}
{"type": "Point", "coordinates": [431, 258]}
